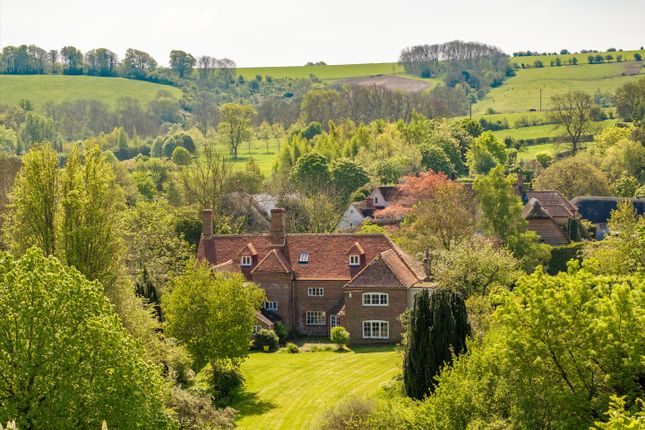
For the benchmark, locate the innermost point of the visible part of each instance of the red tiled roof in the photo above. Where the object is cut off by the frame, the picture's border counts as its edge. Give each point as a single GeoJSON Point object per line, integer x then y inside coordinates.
{"type": "Point", "coordinates": [250, 248]}
{"type": "Point", "coordinates": [227, 266]}
{"type": "Point", "coordinates": [399, 268]}
{"type": "Point", "coordinates": [388, 269]}
{"type": "Point", "coordinates": [273, 262]}
{"type": "Point", "coordinates": [356, 247]}
{"type": "Point", "coordinates": [327, 252]}
{"type": "Point", "coordinates": [553, 202]}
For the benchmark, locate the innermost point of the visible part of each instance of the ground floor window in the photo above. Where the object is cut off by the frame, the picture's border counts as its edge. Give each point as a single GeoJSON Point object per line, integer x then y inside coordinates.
{"type": "Point", "coordinates": [334, 321]}
{"type": "Point", "coordinates": [376, 330]}
{"type": "Point", "coordinates": [256, 329]}
{"type": "Point", "coordinates": [271, 306]}
{"type": "Point", "coordinates": [315, 318]}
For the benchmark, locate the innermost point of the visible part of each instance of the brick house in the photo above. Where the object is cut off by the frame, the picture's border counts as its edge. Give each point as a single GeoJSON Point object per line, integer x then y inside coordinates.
{"type": "Point", "coordinates": [314, 282]}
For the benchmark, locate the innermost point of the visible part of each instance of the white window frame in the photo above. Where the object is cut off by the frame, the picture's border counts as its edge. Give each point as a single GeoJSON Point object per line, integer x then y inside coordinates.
{"type": "Point", "coordinates": [370, 325]}
{"type": "Point", "coordinates": [316, 318]}
{"type": "Point", "coordinates": [246, 261]}
{"type": "Point", "coordinates": [303, 258]}
{"type": "Point", "coordinates": [315, 292]}
{"type": "Point", "coordinates": [369, 299]}
{"type": "Point", "coordinates": [256, 328]}
{"type": "Point", "coordinates": [354, 260]}
{"type": "Point", "coordinates": [334, 321]}
{"type": "Point", "coordinates": [271, 305]}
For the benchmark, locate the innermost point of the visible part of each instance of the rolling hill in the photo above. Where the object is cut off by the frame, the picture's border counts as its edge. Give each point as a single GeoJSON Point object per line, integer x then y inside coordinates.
{"type": "Point", "coordinates": [39, 89]}
{"type": "Point", "coordinates": [325, 73]}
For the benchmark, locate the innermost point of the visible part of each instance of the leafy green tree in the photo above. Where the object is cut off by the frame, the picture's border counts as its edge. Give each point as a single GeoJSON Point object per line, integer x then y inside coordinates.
{"type": "Point", "coordinates": [34, 204]}
{"type": "Point", "coordinates": [8, 140]}
{"type": "Point", "coordinates": [557, 349]}
{"type": "Point", "coordinates": [625, 186]}
{"type": "Point", "coordinates": [437, 329]}
{"type": "Point", "coordinates": [340, 336]}
{"type": "Point", "coordinates": [474, 266]}
{"type": "Point", "coordinates": [181, 156]}
{"type": "Point", "coordinates": [137, 64]}
{"type": "Point", "coordinates": [485, 153]}
{"type": "Point", "coordinates": [211, 313]}
{"type": "Point", "coordinates": [72, 59]}
{"type": "Point", "coordinates": [65, 359]}
{"type": "Point", "coordinates": [502, 210]}
{"type": "Point", "coordinates": [434, 158]}
{"type": "Point", "coordinates": [36, 129]}
{"type": "Point", "coordinates": [182, 63]}
{"type": "Point", "coordinates": [311, 171]}
{"type": "Point", "coordinates": [572, 111]}
{"type": "Point", "coordinates": [235, 124]}
{"type": "Point", "coordinates": [573, 176]}
{"type": "Point", "coordinates": [321, 105]}
{"type": "Point", "coordinates": [347, 176]}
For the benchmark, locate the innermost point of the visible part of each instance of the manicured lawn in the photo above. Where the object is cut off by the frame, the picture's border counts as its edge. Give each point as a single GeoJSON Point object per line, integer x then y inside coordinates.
{"type": "Point", "coordinates": [522, 92]}
{"type": "Point", "coordinates": [329, 72]}
{"type": "Point", "coordinates": [39, 89]}
{"type": "Point", "coordinates": [289, 391]}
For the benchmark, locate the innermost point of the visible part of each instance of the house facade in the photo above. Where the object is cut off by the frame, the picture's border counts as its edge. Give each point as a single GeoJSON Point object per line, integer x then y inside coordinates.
{"type": "Point", "coordinates": [358, 212]}
{"type": "Point", "coordinates": [314, 282]}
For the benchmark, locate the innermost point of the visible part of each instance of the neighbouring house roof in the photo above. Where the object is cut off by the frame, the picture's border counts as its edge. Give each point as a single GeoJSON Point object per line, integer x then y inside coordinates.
{"type": "Point", "coordinates": [598, 209]}
{"type": "Point", "coordinates": [327, 254]}
{"type": "Point", "coordinates": [553, 202]}
{"type": "Point", "coordinates": [227, 266]}
{"type": "Point", "coordinates": [248, 249]}
{"type": "Point", "coordinates": [388, 269]}
{"type": "Point", "coordinates": [365, 210]}
{"type": "Point", "coordinates": [264, 320]}
{"type": "Point", "coordinates": [541, 222]}
{"type": "Point", "coordinates": [390, 193]}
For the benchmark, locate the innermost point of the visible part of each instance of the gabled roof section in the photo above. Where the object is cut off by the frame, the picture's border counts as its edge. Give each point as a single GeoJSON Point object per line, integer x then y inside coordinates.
{"type": "Point", "coordinates": [388, 269]}
{"type": "Point", "coordinates": [553, 202]}
{"type": "Point", "coordinates": [248, 249]}
{"type": "Point", "coordinates": [273, 262]}
{"type": "Point", "coordinates": [389, 193]}
{"type": "Point", "coordinates": [356, 249]}
{"type": "Point", "coordinates": [598, 209]}
{"type": "Point", "coordinates": [534, 210]}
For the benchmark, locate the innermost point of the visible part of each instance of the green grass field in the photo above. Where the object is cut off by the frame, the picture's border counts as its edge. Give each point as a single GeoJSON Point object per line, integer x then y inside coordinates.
{"type": "Point", "coordinates": [522, 92]}
{"type": "Point", "coordinates": [329, 72]}
{"type": "Point", "coordinates": [39, 89]}
{"type": "Point", "coordinates": [258, 152]}
{"type": "Point", "coordinates": [582, 58]}
{"type": "Point", "coordinates": [290, 391]}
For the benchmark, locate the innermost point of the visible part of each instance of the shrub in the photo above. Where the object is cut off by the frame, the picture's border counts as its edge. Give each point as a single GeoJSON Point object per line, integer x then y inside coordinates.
{"type": "Point", "coordinates": [195, 411]}
{"type": "Point", "coordinates": [266, 338]}
{"type": "Point", "coordinates": [339, 336]}
{"type": "Point", "coordinates": [292, 348]}
{"type": "Point", "coordinates": [181, 156]}
{"type": "Point", "coordinates": [560, 256]}
{"type": "Point", "coordinates": [348, 415]}
{"type": "Point", "coordinates": [281, 331]}
{"type": "Point", "coordinates": [225, 382]}
{"type": "Point", "coordinates": [544, 158]}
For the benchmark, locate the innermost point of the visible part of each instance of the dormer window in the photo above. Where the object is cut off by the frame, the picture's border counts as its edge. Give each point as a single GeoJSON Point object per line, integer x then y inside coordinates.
{"type": "Point", "coordinates": [303, 258]}
{"type": "Point", "coordinates": [246, 261]}
{"type": "Point", "coordinates": [354, 260]}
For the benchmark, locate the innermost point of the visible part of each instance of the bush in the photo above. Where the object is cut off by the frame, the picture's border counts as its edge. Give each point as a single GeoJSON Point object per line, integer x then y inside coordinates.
{"type": "Point", "coordinates": [266, 338]}
{"type": "Point", "coordinates": [181, 156]}
{"type": "Point", "coordinates": [560, 256]}
{"type": "Point", "coordinates": [195, 411]}
{"type": "Point", "coordinates": [348, 415]}
{"type": "Point", "coordinates": [281, 331]}
{"type": "Point", "coordinates": [544, 158]}
{"type": "Point", "coordinates": [225, 382]}
{"type": "Point", "coordinates": [339, 336]}
{"type": "Point", "coordinates": [292, 348]}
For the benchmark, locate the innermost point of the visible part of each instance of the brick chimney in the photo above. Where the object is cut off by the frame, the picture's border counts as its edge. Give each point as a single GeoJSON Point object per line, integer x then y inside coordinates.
{"type": "Point", "coordinates": [369, 202]}
{"type": "Point", "coordinates": [519, 184]}
{"type": "Point", "coordinates": [207, 223]}
{"type": "Point", "coordinates": [278, 229]}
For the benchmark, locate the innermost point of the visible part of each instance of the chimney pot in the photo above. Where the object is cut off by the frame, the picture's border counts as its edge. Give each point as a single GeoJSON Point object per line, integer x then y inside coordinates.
{"type": "Point", "coordinates": [278, 228]}
{"type": "Point", "coordinates": [207, 223]}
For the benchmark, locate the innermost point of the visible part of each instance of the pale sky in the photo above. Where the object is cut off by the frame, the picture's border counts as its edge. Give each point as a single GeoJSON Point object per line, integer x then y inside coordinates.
{"type": "Point", "coordinates": [292, 32]}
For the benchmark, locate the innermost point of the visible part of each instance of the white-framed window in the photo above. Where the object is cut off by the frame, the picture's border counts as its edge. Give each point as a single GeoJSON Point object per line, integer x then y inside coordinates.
{"type": "Point", "coordinates": [376, 299]}
{"type": "Point", "coordinates": [303, 258]}
{"type": "Point", "coordinates": [315, 318]}
{"type": "Point", "coordinates": [256, 329]}
{"type": "Point", "coordinates": [374, 329]}
{"type": "Point", "coordinates": [271, 306]}
{"type": "Point", "coordinates": [334, 321]}
{"type": "Point", "coordinates": [246, 261]}
{"type": "Point", "coordinates": [375, 199]}
{"type": "Point", "coordinates": [315, 292]}
{"type": "Point", "coordinates": [354, 260]}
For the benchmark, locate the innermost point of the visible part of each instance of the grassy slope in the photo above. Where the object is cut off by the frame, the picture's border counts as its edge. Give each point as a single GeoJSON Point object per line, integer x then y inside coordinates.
{"type": "Point", "coordinates": [330, 72]}
{"type": "Point", "coordinates": [582, 58]}
{"type": "Point", "coordinates": [40, 89]}
{"type": "Point", "coordinates": [289, 391]}
{"type": "Point", "coordinates": [521, 93]}
{"type": "Point", "coordinates": [258, 153]}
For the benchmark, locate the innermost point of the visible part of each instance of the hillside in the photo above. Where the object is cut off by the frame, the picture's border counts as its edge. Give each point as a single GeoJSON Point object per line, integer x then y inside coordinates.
{"type": "Point", "coordinates": [326, 73]}
{"type": "Point", "coordinates": [522, 92]}
{"type": "Point", "coordinates": [39, 89]}
{"type": "Point", "coordinates": [582, 58]}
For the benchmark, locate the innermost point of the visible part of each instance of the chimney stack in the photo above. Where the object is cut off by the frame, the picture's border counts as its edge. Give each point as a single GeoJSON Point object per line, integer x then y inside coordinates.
{"type": "Point", "coordinates": [278, 229]}
{"type": "Point", "coordinates": [207, 223]}
{"type": "Point", "coordinates": [369, 202]}
{"type": "Point", "coordinates": [519, 185]}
